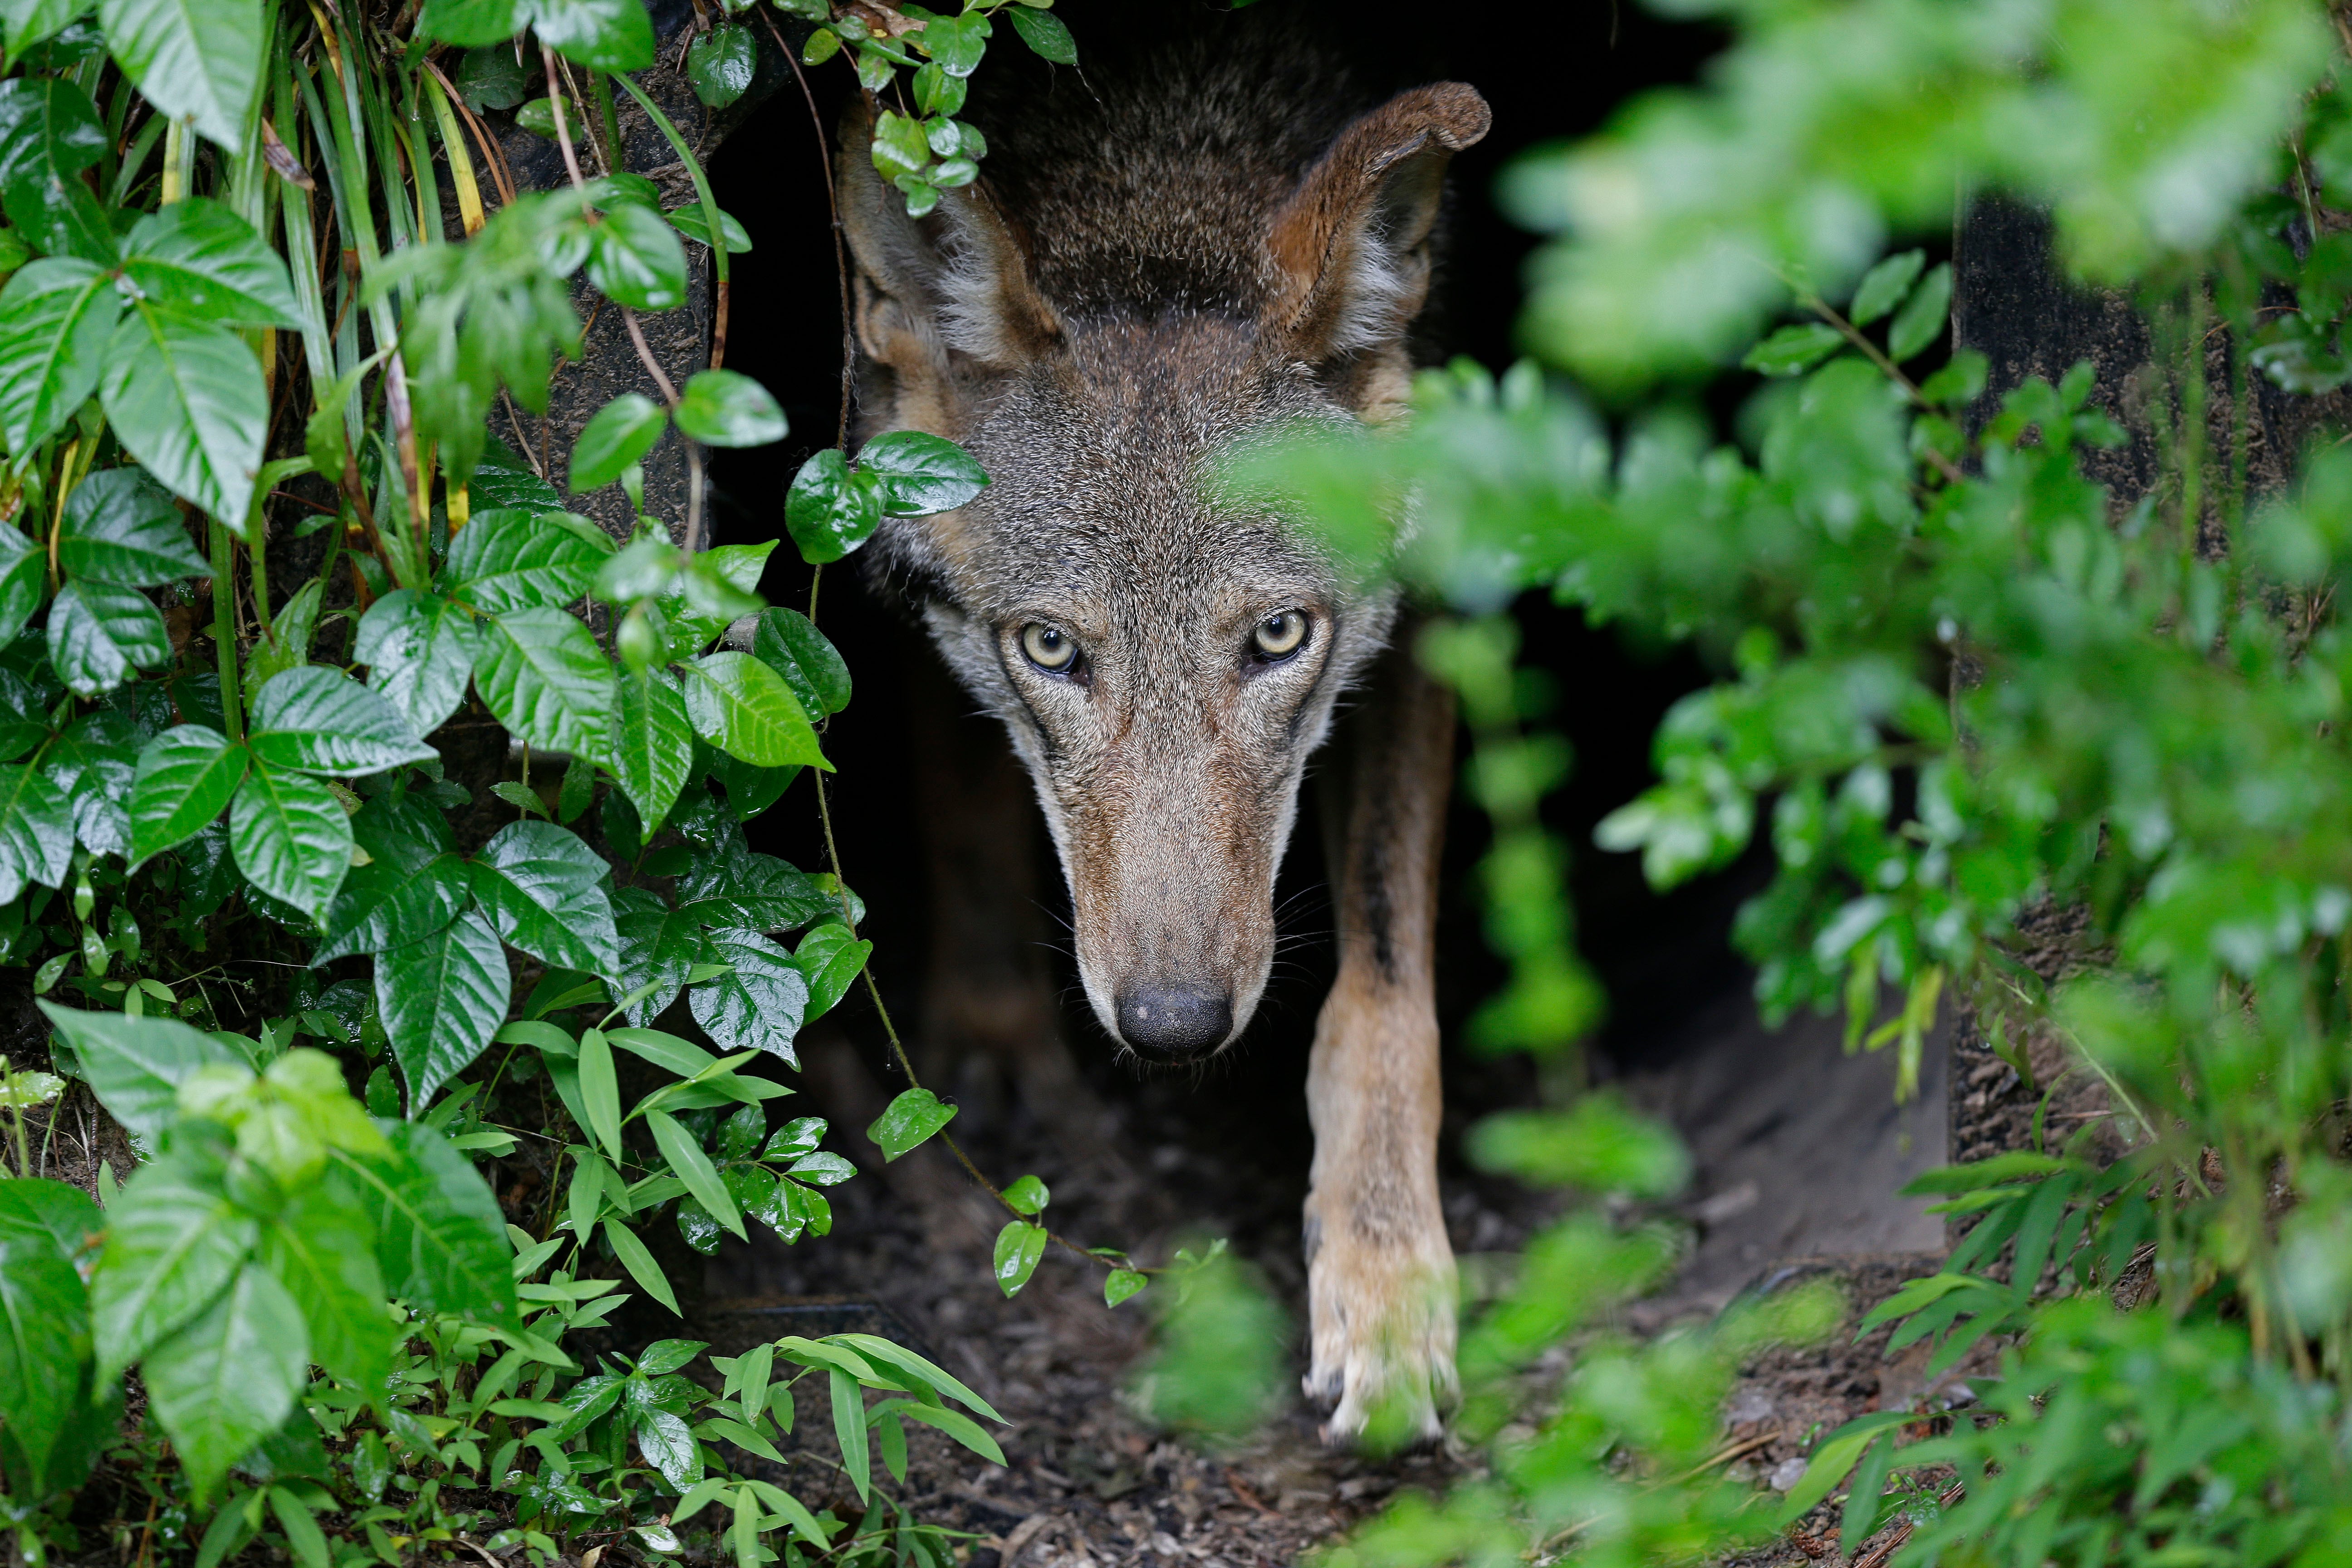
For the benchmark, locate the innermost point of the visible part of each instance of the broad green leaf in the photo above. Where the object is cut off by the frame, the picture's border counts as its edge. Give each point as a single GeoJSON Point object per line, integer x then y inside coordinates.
{"type": "Point", "coordinates": [56, 317]}
{"type": "Point", "coordinates": [93, 763]}
{"type": "Point", "coordinates": [604, 34]}
{"type": "Point", "coordinates": [441, 998]}
{"type": "Point", "coordinates": [920, 474]}
{"type": "Point", "coordinates": [135, 1065]}
{"type": "Point", "coordinates": [694, 1168]}
{"type": "Point", "coordinates": [760, 1005]}
{"type": "Point", "coordinates": [744, 709]}
{"type": "Point", "coordinates": [720, 63]}
{"type": "Point", "coordinates": [37, 832]}
{"type": "Point", "coordinates": [44, 1340]}
{"type": "Point", "coordinates": [909, 1120]}
{"type": "Point", "coordinates": [1028, 1195]}
{"type": "Point", "coordinates": [638, 1260]}
{"type": "Point", "coordinates": [600, 1090]}
{"type": "Point", "coordinates": [1793, 350]}
{"type": "Point", "coordinates": [441, 1241]}
{"type": "Point", "coordinates": [100, 635]}
{"type": "Point", "coordinates": [617, 434]}
{"type": "Point", "coordinates": [23, 23]}
{"type": "Point", "coordinates": [198, 257]}
{"type": "Point", "coordinates": [199, 58]}
{"type": "Point", "coordinates": [22, 580]}
{"type": "Point", "coordinates": [714, 588]}
{"type": "Point", "coordinates": [543, 889]}
{"type": "Point", "coordinates": [650, 745]}
{"type": "Point", "coordinates": [231, 1377]}
{"type": "Point", "coordinates": [49, 132]}
{"type": "Point", "coordinates": [669, 1444]}
{"type": "Point", "coordinates": [508, 559]}
{"type": "Point", "coordinates": [1019, 1245]}
{"type": "Point", "coordinates": [186, 398]}
{"type": "Point", "coordinates": [490, 78]}
{"type": "Point", "coordinates": [186, 777]}
{"type": "Point", "coordinates": [830, 958]}
{"type": "Point", "coordinates": [1046, 33]}
{"type": "Point", "coordinates": [384, 904]}
{"type": "Point", "coordinates": [1121, 1283]}
{"type": "Point", "coordinates": [900, 146]}
{"type": "Point", "coordinates": [64, 1215]}
{"type": "Point", "coordinates": [1923, 315]}
{"type": "Point", "coordinates": [322, 1250]}
{"type": "Point", "coordinates": [831, 510]}
{"type": "Point", "coordinates": [419, 650]}
{"type": "Point", "coordinates": [173, 1242]}
{"type": "Point", "coordinates": [478, 24]}
{"type": "Point", "coordinates": [725, 408]}
{"type": "Point", "coordinates": [545, 679]}
{"type": "Point", "coordinates": [688, 221]}
{"type": "Point", "coordinates": [291, 631]}
{"type": "Point", "coordinates": [291, 838]}
{"type": "Point", "coordinates": [659, 947]}
{"type": "Point", "coordinates": [120, 527]}
{"type": "Point", "coordinates": [634, 258]}
{"type": "Point", "coordinates": [789, 643]}
{"type": "Point", "coordinates": [1885, 286]}
{"type": "Point", "coordinates": [1832, 1461]}
{"type": "Point", "coordinates": [318, 719]}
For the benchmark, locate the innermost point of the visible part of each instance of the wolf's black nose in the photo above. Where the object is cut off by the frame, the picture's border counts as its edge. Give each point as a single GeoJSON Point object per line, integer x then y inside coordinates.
{"type": "Point", "coordinates": [1174, 1020]}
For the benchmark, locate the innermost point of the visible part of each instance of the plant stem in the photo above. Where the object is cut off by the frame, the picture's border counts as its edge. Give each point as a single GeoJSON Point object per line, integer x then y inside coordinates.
{"type": "Point", "coordinates": [224, 626]}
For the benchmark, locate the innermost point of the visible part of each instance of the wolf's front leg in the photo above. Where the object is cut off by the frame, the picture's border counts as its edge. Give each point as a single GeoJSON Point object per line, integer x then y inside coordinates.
{"type": "Point", "coordinates": [1379, 1269]}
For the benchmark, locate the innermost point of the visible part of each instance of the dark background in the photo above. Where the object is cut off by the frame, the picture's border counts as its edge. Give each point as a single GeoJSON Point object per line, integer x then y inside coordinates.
{"type": "Point", "coordinates": [1557, 73]}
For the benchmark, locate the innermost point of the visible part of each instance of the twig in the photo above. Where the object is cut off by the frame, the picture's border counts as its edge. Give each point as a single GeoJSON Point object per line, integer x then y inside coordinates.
{"type": "Point", "coordinates": [840, 252]}
{"type": "Point", "coordinates": [646, 356]}
{"type": "Point", "coordinates": [563, 129]}
{"type": "Point", "coordinates": [1877, 1556]}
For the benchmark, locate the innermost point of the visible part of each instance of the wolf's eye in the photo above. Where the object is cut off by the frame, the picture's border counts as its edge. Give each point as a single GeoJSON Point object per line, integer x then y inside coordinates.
{"type": "Point", "coordinates": [1280, 636]}
{"type": "Point", "coordinates": [1048, 648]}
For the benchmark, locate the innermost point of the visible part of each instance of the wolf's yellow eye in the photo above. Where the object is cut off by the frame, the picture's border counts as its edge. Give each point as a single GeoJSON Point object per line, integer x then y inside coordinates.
{"type": "Point", "coordinates": [1280, 636]}
{"type": "Point", "coordinates": [1048, 648]}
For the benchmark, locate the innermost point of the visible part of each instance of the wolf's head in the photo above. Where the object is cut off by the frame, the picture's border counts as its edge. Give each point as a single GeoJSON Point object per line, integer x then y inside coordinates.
{"type": "Point", "coordinates": [1135, 289]}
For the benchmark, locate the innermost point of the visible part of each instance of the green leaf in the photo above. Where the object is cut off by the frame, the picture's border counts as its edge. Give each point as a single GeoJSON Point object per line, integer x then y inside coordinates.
{"type": "Point", "coordinates": [321, 720]}
{"type": "Point", "coordinates": [920, 474]}
{"type": "Point", "coordinates": [93, 762]}
{"type": "Point", "coordinates": [1885, 285]}
{"type": "Point", "coordinates": [441, 999]}
{"type": "Point", "coordinates": [231, 1377]}
{"type": "Point", "coordinates": [618, 434]}
{"type": "Point", "coordinates": [884, 1353]}
{"type": "Point", "coordinates": [688, 221]}
{"type": "Point", "coordinates": [545, 679]}
{"type": "Point", "coordinates": [1121, 1283]}
{"type": "Point", "coordinates": [1923, 315]}
{"type": "Point", "coordinates": [639, 1261]}
{"type": "Point", "coordinates": [490, 78]}
{"type": "Point", "coordinates": [44, 1339]}
{"type": "Point", "coordinates": [291, 838]}
{"type": "Point", "coordinates": [197, 58]}
{"type": "Point", "coordinates": [186, 778]}
{"type": "Point", "coordinates": [135, 1065]}
{"type": "Point", "coordinates": [830, 957]}
{"type": "Point", "coordinates": [604, 34]}
{"type": "Point", "coordinates": [849, 1428]}
{"type": "Point", "coordinates": [600, 1090]}
{"type": "Point", "coordinates": [543, 889]}
{"type": "Point", "coordinates": [634, 258]}
{"type": "Point", "coordinates": [789, 643]}
{"type": "Point", "coordinates": [831, 510]}
{"type": "Point", "coordinates": [120, 527]}
{"type": "Point", "coordinates": [720, 63]}
{"type": "Point", "coordinates": [909, 1120]}
{"type": "Point", "coordinates": [186, 398]}
{"type": "Point", "coordinates": [483, 26]}
{"type": "Point", "coordinates": [1793, 350]}
{"type": "Point", "coordinates": [899, 147]}
{"type": "Point", "coordinates": [386, 904]}
{"type": "Point", "coordinates": [508, 559]}
{"type": "Point", "coordinates": [28, 21]}
{"type": "Point", "coordinates": [100, 635]}
{"type": "Point", "coordinates": [49, 134]}
{"type": "Point", "coordinates": [419, 649]}
{"type": "Point", "coordinates": [725, 408]}
{"type": "Point", "coordinates": [759, 1005]}
{"type": "Point", "coordinates": [1047, 35]}
{"type": "Point", "coordinates": [321, 1247]}
{"type": "Point", "coordinates": [440, 1239]}
{"type": "Point", "coordinates": [743, 708]}
{"type": "Point", "coordinates": [1019, 1245]}
{"type": "Point", "coordinates": [956, 1425]}
{"type": "Point", "coordinates": [307, 1541]}
{"type": "Point", "coordinates": [291, 631]}
{"type": "Point", "coordinates": [651, 743]}
{"type": "Point", "coordinates": [198, 257]}
{"type": "Point", "coordinates": [37, 832]}
{"type": "Point", "coordinates": [173, 1242]}
{"type": "Point", "coordinates": [36, 1205]}
{"type": "Point", "coordinates": [56, 316]}
{"type": "Point", "coordinates": [1028, 1195]}
{"type": "Point", "coordinates": [694, 1168]}
{"type": "Point", "coordinates": [1832, 1461]}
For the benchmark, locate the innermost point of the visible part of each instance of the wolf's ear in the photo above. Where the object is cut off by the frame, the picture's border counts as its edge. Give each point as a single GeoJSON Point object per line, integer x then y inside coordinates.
{"type": "Point", "coordinates": [955, 283]}
{"type": "Point", "coordinates": [1351, 245]}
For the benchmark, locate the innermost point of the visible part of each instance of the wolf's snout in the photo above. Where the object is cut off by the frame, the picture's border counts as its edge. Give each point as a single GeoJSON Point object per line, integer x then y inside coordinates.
{"type": "Point", "coordinates": [1174, 1021]}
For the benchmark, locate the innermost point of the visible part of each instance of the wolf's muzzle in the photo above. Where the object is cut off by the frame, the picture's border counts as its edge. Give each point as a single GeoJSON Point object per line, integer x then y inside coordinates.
{"type": "Point", "coordinates": [1173, 1022]}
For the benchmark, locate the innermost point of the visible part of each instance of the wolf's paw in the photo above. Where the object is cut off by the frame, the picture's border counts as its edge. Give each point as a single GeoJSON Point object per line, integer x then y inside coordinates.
{"type": "Point", "coordinates": [1383, 1340]}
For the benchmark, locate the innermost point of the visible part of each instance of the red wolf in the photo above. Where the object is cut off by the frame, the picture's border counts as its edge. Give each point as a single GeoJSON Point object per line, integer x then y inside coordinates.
{"type": "Point", "coordinates": [1154, 267]}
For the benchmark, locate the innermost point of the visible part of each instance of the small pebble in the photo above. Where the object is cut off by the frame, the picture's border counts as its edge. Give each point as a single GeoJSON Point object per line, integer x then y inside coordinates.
{"type": "Point", "coordinates": [1787, 1474]}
